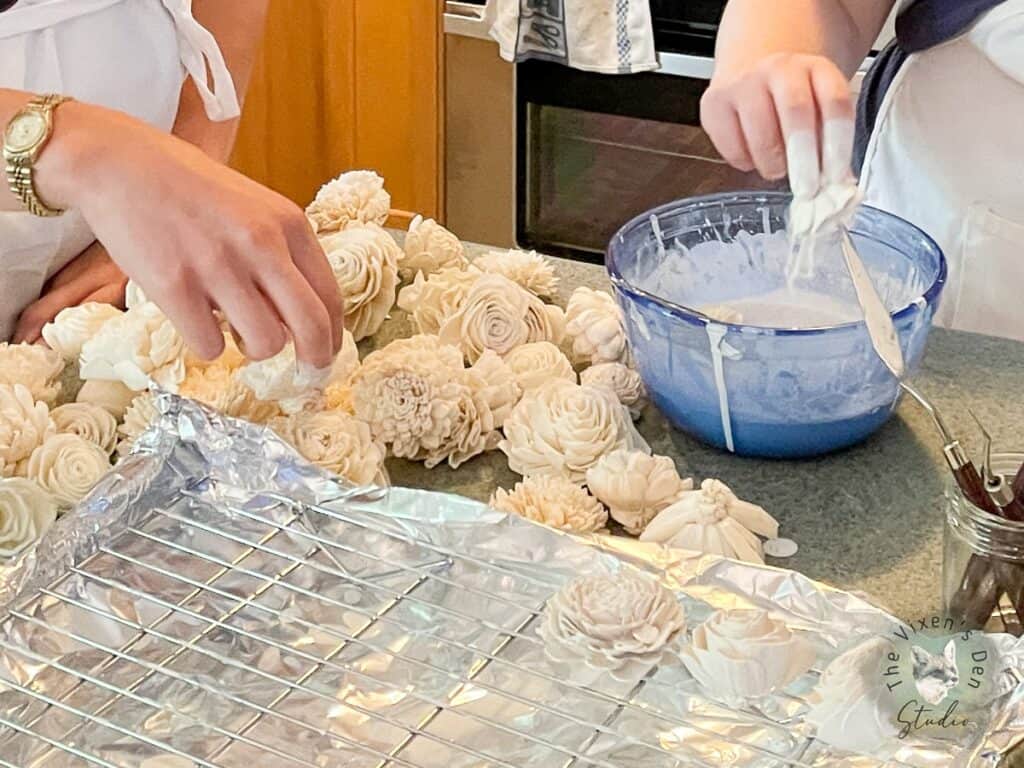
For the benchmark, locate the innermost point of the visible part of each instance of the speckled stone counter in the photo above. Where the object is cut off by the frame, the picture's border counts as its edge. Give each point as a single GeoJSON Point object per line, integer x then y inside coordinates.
{"type": "Point", "coordinates": [869, 519]}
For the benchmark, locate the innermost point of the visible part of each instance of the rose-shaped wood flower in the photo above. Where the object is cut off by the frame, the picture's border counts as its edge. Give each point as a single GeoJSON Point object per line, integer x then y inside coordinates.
{"type": "Point", "coordinates": [90, 422]}
{"type": "Point", "coordinates": [636, 487]}
{"type": "Point", "coordinates": [137, 419]}
{"type": "Point", "coordinates": [739, 656]}
{"type": "Point", "coordinates": [365, 264]}
{"type": "Point", "coordinates": [624, 382]}
{"type": "Point", "coordinates": [564, 429]}
{"type": "Point", "coordinates": [555, 502]}
{"type": "Point", "coordinates": [67, 467]}
{"type": "Point", "coordinates": [431, 300]}
{"type": "Point", "coordinates": [429, 248]}
{"type": "Point", "coordinates": [34, 367]}
{"type": "Point", "coordinates": [112, 396]}
{"type": "Point", "coordinates": [354, 197]}
{"type": "Point", "coordinates": [528, 269]}
{"type": "Point", "coordinates": [335, 441]}
{"type": "Point", "coordinates": [68, 332]}
{"type": "Point", "coordinates": [135, 347]}
{"type": "Point", "coordinates": [714, 521]}
{"type": "Point", "coordinates": [26, 513]}
{"type": "Point", "coordinates": [24, 425]}
{"type": "Point", "coordinates": [851, 709]}
{"type": "Point", "coordinates": [499, 315]}
{"type": "Point", "coordinates": [594, 323]}
{"type": "Point", "coordinates": [537, 363]}
{"type": "Point", "coordinates": [622, 624]}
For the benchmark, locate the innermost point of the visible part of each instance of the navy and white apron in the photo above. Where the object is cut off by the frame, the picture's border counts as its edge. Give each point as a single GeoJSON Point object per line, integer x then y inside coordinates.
{"type": "Point", "coordinates": [940, 125]}
{"type": "Point", "coordinates": [129, 55]}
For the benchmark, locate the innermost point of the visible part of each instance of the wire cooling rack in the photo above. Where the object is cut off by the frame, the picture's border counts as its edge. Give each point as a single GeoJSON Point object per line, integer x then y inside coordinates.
{"type": "Point", "coordinates": [271, 633]}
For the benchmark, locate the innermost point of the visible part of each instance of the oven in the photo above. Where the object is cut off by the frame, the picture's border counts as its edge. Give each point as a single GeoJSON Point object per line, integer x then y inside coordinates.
{"type": "Point", "coordinates": [549, 158]}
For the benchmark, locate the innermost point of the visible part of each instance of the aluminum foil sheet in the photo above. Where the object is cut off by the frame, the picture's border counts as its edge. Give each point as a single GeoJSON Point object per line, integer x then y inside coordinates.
{"type": "Point", "coordinates": [217, 602]}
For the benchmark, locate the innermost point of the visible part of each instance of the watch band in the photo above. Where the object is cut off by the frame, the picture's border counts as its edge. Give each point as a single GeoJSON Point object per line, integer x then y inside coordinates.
{"type": "Point", "coordinates": [19, 168]}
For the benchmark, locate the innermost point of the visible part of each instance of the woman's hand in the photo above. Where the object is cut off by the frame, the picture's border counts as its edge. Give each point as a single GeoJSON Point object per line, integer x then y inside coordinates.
{"type": "Point", "coordinates": [789, 113]}
{"type": "Point", "coordinates": [91, 276]}
{"type": "Point", "coordinates": [195, 235]}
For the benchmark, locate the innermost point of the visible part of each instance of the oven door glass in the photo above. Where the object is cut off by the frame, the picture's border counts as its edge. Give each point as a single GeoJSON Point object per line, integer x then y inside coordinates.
{"type": "Point", "coordinates": [594, 151]}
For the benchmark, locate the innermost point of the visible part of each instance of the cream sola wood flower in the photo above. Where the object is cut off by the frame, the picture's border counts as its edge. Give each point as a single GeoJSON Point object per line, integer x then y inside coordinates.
{"type": "Point", "coordinates": [354, 197]}
{"type": "Point", "coordinates": [34, 367]}
{"type": "Point", "coordinates": [24, 425]}
{"type": "Point", "coordinates": [431, 300]}
{"type": "Point", "coordinates": [528, 269]}
{"type": "Point", "coordinates": [335, 441]}
{"type": "Point", "coordinates": [26, 513]}
{"type": "Point", "coordinates": [365, 264]}
{"type": "Point", "coordinates": [635, 486]}
{"type": "Point", "coordinates": [499, 315]}
{"type": "Point", "coordinates": [112, 396]}
{"type": "Point", "coordinates": [218, 388]}
{"type": "Point", "coordinates": [595, 327]}
{"type": "Point", "coordinates": [562, 428]}
{"type": "Point", "coordinates": [90, 422]}
{"type": "Point", "coordinates": [623, 624]}
{"type": "Point", "coordinates": [284, 381]}
{"type": "Point", "coordinates": [739, 656]}
{"type": "Point", "coordinates": [430, 248]}
{"type": "Point", "coordinates": [134, 348]}
{"type": "Point", "coordinates": [624, 382]}
{"type": "Point", "coordinates": [137, 419]}
{"type": "Point", "coordinates": [713, 520]}
{"type": "Point", "coordinates": [539, 362]}
{"type": "Point", "coordinates": [67, 466]}
{"type": "Point", "coordinates": [555, 502]}
{"type": "Point", "coordinates": [72, 327]}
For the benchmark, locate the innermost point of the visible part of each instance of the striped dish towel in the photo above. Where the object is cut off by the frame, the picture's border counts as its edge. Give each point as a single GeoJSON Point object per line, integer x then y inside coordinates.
{"type": "Point", "coordinates": [606, 36]}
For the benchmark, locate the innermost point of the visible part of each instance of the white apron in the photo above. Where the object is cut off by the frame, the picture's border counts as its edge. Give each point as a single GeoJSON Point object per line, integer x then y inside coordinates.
{"type": "Point", "coordinates": [129, 55]}
{"type": "Point", "coordinates": [947, 154]}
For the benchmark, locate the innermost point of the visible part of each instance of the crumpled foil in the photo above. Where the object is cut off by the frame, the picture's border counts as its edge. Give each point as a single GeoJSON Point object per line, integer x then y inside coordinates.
{"type": "Point", "coordinates": [217, 601]}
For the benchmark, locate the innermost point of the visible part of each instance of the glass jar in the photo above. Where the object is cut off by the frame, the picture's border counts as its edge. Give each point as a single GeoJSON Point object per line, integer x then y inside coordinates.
{"type": "Point", "coordinates": [983, 561]}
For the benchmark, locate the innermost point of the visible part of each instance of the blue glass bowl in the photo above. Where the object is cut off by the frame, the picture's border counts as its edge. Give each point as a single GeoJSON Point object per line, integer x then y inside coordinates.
{"type": "Point", "coordinates": [777, 392]}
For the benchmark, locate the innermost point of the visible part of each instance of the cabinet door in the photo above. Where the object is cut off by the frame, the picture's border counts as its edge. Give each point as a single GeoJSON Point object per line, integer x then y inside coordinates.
{"type": "Point", "coordinates": [348, 84]}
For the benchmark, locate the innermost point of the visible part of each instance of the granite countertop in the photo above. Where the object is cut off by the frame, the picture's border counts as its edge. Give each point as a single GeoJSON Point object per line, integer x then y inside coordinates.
{"type": "Point", "coordinates": [869, 519]}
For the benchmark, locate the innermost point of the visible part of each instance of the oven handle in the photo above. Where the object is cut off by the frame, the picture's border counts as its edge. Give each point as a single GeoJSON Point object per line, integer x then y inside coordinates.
{"type": "Point", "coordinates": [465, 20]}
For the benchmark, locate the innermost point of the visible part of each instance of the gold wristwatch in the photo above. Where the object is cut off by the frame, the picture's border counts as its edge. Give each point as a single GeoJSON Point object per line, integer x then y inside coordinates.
{"type": "Point", "coordinates": [27, 134]}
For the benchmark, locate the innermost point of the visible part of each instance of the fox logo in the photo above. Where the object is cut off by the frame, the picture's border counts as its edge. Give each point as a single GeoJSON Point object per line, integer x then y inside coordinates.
{"type": "Point", "coordinates": [935, 675]}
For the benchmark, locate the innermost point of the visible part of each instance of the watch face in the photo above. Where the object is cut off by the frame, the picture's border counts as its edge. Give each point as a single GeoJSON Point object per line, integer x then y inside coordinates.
{"type": "Point", "coordinates": [25, 131]}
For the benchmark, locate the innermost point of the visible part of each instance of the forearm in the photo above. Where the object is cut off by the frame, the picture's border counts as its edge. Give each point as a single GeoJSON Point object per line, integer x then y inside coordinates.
{"type": "Point", "coordinates": [841, 30]}
{"type": "Point", "coordinates": [238, 27]}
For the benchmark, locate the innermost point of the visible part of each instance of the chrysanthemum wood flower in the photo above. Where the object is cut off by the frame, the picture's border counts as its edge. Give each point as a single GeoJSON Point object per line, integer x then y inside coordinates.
{"type": "Point", "coordinates": [135, 347]}
{"type": "Point", "coordinates": [26, 513]}
{"type": "Point", "coordinates": [714, 521]}
{"type": "Point", "coordinates": [741, 655]}
{"type": "Point", "coordinates": [636, 487]}
{"type": "Point", "coordinates": [624, 382]}
{"type": "Point", "coordinates": [112, 396]}
{"type": "Point", "coordinates": [67, 466]}
{"type": "Point", "coordinates": [430, 301]}
{"type": "Point", "coordinates": [430, 248]}
{"type": "Point", "coordinates": [90, 422]}
{"type": "Point", "coordinates": [499, 315]}
{"type": "Point", "coordinates": [555, 502]}
{"type": "Point", "coordinates": [528, 269]}
{"type": "Point", "coordinates": [335, 441]}
{"type": "Point", "coordinates": [621, 624]}
{"type": "Point", "coordinates": [594, 323]}
{"type": "Point", "coordinates": [34, 367]}
{"type": "Point", "coordinates": [564, 429]}
{"type": "Point", "coordinates": [365, 264]}
{"type": "Point", "coordinates": [24, 425]}
{"type": "Point", "coordinates": [353, 197]}
{"type": "Point", "coordinates": [218, 388]}
{"type": "Point", "coordinates": [74, 326]}
{"type": "Point", "coordinates": [537, 363]}
{"type": "Point", "coordinates": [137, 419]}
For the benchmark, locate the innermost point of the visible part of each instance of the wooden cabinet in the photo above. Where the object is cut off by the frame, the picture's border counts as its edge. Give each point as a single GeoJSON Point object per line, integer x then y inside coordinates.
{"type": "Point", "coordinates": [348, 84]}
